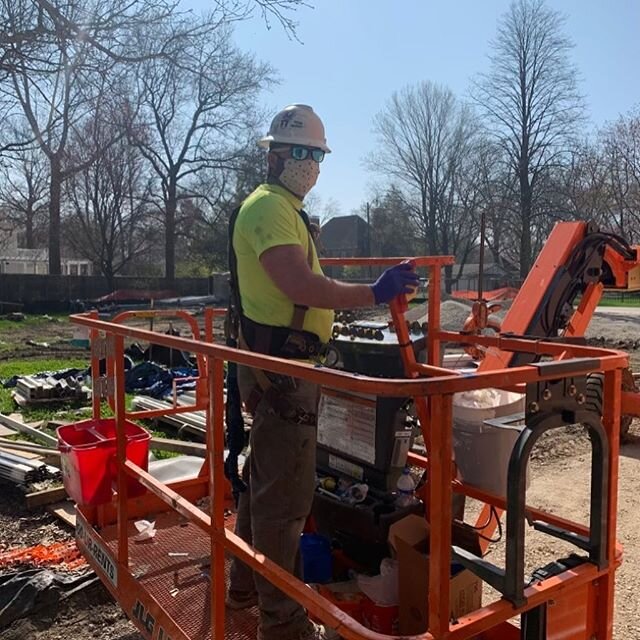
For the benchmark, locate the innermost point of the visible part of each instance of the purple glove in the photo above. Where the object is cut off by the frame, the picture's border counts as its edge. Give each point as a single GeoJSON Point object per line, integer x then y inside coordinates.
{"type": "Point", "coordinates": [401, 278]}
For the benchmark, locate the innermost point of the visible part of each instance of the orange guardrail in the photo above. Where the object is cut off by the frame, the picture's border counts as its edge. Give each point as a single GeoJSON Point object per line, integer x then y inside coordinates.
{"type": "Point", "coordinates": [435, 387]}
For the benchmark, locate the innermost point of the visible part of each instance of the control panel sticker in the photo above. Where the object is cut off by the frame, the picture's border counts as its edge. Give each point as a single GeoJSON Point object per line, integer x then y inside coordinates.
{"type": "Point", "coordinates": [344, 466]}
{"type": "Point", "coordinates": [348, 425]}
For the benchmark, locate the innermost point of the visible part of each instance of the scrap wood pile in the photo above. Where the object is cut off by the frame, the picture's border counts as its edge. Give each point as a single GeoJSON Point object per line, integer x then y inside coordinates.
{"type": "Point", "coordinates": [49, 387]}
{"type": "Point", "coordinates": [24, 463]}
{"type": "Point", "coordinates": [36, 390]}
{"type": "Point", "coordinates": [17, 468]}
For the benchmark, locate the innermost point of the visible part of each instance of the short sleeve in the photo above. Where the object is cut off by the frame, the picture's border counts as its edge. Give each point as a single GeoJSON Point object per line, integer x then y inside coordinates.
{"type": "Point", "coordinates": [265, 227]}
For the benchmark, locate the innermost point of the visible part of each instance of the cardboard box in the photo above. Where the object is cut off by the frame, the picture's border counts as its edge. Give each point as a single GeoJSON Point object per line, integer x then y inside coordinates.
{"type": "Point", "coordinates": [409, 538]}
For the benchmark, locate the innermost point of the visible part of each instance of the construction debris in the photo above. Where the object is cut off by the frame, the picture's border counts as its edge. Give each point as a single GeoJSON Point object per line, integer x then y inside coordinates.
{"type": "Point", "coordinates": [26, 450]}
{"type": "Point", "coordinates": [37, 390]}
{"type": "Point", "coordinates": [179, 446]}
{"type": "Point", "coordinates": [30, 430]}
{"type": "Point", "coordinates": [63, 554]}
{"type": "Point", "coordinates": [45, 496]}
{"type": "Point", "coordinates": [24, 471]}
{"type": "Point", "coordinates": [25, 592]}
{"type": "Point", "coordinates": [65, 511]}
{"type": "Point", "coordinates": [193, 422]}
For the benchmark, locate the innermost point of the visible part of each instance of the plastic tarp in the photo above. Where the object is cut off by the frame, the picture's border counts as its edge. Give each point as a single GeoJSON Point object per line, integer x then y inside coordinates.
{"type": "Point", "coordinates": [24, 592]}
{"type": "Point", "coordinates": [121, 295]}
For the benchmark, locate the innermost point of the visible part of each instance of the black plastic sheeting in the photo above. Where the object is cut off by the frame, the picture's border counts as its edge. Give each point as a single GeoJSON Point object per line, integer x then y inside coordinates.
{"type": "Point", "coordinates": [24, 592]}
{"type": "Point", "coordinates": [146, 378]}
{"type": "Point", "coordinates": [151, 379]}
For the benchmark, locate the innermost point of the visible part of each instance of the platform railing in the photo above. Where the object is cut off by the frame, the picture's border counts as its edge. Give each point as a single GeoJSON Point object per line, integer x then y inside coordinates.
{"type": "Point", "coordinates": [438, 388]}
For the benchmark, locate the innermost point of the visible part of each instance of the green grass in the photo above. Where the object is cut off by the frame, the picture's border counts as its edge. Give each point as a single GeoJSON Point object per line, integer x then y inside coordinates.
{"type": "Point", "coordinates": [33, 321]}
{"type": "Point", "coordinates": [26, 367]}
{"type": "Point", "coordinates": [29, 366]}
{"type": "Point", "coordinates": [620, 302]}
{"type": "Point", "coordinates": [69, 412]}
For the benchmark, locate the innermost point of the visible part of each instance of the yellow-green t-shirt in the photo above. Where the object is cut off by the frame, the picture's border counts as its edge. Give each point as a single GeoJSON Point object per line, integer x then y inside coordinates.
{"type": "Point", "coordinates": [269, 218]}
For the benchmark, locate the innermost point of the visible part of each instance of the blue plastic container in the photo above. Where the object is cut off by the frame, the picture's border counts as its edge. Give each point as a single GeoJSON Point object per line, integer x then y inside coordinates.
{"type": "Point", "coordinates": [317, 561]}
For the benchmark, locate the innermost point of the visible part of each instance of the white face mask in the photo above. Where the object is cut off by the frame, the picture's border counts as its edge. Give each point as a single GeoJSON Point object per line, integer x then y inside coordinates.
{"type": "Point", "coordinates": [300, 176]}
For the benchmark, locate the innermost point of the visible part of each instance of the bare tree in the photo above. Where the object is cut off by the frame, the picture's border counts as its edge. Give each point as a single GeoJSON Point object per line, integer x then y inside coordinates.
{"type": "Point", "coordinates": [532, 104]}
{"type": "Point", "coordinates": [24, 189]}
{"type": "Point", "coordinates": [60, 61]}
{"type": "Point", "coordinates": [196, 111]}
{"type": "Point", "coordinates": [204, 217]}
{"type": "Point", "coordinates": [55, 52]}
{"type": "Point", "coordinates": [621, 157]}
{"type": "Point", "coordinates": [392, 225]}
{"type": "Point", "coordinates": [428, 137]}
{"type": "Point", "coordinates": [107, 213]}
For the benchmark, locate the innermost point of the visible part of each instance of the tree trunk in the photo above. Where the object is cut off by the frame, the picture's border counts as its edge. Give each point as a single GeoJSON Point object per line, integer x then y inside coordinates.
{"type": "Point", "coordinates": [432, 225]}
{"type": "Point", "coordinates": [55, 189]}
{"type": "Point", "coordinates": [526, 206]}
{"type": "Point", "coordinates": [448, 278]}
{"type": "Point", "coordinates": [170, 234]}
{"type": "Point", "coordinates": [109, 276]}
{"type": "Point", "coordinates": [29, 227]}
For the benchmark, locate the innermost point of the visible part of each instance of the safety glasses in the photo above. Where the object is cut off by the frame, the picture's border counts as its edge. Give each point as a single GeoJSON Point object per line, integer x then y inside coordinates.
{"type": "Point", "coordinates": [299, 152]}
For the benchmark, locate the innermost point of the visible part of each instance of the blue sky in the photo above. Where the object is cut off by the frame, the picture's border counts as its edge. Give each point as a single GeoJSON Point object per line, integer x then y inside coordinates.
{"type": "Point", "coordinates": [355, 53]}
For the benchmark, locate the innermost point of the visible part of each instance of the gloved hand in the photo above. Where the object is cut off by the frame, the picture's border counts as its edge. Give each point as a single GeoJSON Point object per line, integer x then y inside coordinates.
{"type": "Point", "coordinates": [401, 278]}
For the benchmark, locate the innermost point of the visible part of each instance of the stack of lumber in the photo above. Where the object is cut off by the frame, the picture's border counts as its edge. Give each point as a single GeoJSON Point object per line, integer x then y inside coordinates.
{"type": "Point", "coordinates": [38, 390]}
{"type": "Point", "coordinates": [21, 469]}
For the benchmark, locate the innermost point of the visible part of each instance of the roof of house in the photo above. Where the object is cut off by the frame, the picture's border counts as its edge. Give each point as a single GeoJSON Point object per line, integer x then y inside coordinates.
{"type": "Point", "coordinates": [491, 269]}
{"type": "Point", "coordinates": [343, 232]}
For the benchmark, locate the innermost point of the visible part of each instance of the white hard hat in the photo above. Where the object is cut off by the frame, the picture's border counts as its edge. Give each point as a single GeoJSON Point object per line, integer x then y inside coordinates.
{"type": "Point", "coordinates": [296, 124]}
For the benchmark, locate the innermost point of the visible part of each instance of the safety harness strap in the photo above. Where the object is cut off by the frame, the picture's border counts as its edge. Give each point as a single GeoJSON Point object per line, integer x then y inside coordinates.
{"type": "Point", "coordinates": [287, 342]}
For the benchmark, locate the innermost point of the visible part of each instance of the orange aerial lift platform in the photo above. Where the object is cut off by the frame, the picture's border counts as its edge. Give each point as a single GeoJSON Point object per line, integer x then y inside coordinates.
{"type": "Point", "coordinates": [173, 585]}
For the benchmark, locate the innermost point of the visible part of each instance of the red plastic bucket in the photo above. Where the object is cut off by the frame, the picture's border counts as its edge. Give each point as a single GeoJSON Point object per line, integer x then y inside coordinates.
{"type": "Point", "coordinates": [88, 464]}
{"type": "Point", "coordinates": [380, 617]}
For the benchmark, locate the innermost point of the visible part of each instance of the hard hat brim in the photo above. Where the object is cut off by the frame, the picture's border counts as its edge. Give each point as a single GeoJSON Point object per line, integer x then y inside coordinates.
{"type": "Point", "coordinates": [267, 140]}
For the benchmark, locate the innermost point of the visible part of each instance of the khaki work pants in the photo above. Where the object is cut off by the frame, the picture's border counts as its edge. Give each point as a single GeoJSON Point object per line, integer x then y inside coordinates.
{"type": "Point", "coordinates": [280, 474]}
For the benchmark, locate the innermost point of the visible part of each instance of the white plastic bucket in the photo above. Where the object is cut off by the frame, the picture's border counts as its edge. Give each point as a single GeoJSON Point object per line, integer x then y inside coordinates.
{"type": "Point", "coordinates": [482, 451]}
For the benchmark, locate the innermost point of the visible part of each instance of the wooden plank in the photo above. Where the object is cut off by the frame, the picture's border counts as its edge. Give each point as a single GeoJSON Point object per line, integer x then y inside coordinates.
{"type": "Point", "coordinates": [19, 451]}
{"type": "Point", "coordinates": [44, 497]}
{"type": "Point", "coordinates": [5, 431]}
{"type": "Point", "coordinates": [21, 445]}
{"type": "Point", "coordinates": [65, 511]}
{"type": "Point", "coordinates": [48, 456]}
{"type": "Point", "coordinates": [36, 434]}
{"type": "Point", "coordinates": [179, 446]}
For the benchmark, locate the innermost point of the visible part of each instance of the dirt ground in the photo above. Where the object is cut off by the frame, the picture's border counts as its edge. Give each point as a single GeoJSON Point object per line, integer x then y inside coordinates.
{"type": "Point", "coordinates": [559, 482]}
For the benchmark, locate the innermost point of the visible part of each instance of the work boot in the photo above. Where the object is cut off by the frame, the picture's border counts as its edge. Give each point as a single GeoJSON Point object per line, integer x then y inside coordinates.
{"type": "Point", "coordinates": [321, 632]}
{"type": "Point", "coordinates": [237, 600]}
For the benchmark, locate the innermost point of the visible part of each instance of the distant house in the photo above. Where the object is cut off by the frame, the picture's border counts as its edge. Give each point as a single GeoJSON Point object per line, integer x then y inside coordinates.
{"type": "Point", "coordinates": [345, 237]}
{"type": "Point", "coordinates": [15, 259]}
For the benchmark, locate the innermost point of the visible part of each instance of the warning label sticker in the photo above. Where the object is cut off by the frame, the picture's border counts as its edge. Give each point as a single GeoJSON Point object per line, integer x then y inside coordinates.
{"type": "Point", "coordinates": [348, 424]}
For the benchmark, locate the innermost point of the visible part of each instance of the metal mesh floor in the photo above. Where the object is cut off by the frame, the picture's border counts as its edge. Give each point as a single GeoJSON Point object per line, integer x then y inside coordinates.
{"type": "Point", "coordinates": [181, 584]}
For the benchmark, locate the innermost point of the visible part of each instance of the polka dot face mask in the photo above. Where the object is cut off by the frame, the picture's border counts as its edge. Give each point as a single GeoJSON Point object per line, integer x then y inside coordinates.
{"type": "Point", "coordinates": [300, 176]}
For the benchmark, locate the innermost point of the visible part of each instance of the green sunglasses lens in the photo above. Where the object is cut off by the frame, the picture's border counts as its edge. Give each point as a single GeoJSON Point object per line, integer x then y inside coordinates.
{"type": "Point", "coordinates": [299, 153]}
{"type": "Point", "coordinates": [302, 153]}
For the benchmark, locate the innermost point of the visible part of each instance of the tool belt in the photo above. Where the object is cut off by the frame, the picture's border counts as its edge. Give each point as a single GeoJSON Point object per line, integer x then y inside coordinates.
{"type": "Point", "coordinates": [273, 388]}
{"type": "Point", "coordinates": [282, 342]}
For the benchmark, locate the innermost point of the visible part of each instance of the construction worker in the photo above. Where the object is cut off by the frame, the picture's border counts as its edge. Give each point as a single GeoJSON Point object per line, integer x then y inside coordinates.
{"type": "Point", "coordinates": [282, 305]}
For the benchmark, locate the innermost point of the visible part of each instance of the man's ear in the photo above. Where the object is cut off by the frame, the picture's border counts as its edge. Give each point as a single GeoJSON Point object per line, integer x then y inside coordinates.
{"type": "Point", "coordinates": [272, 162]}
